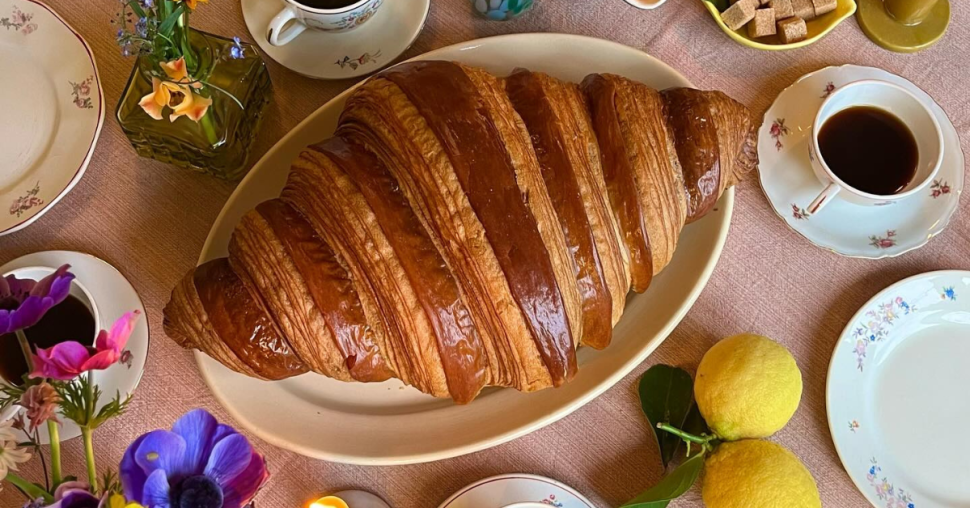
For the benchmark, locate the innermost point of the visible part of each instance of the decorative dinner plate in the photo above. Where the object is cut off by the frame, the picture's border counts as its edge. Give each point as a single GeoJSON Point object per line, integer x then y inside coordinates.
{"type": "Point", "coordinates": [358, 52]}
{"type": "Point", "coordinates": [113, 296]}
{"type": "Point", "coordinates": [514, 490]}
{"type": "Point", "coordinates": [389, 423]}
{"type": "Point", "coordinates": [848, 229]}
{"type": "Point", "coordinates": [897, 393]}
{"type": "Point", "coordinates": [52, 109]}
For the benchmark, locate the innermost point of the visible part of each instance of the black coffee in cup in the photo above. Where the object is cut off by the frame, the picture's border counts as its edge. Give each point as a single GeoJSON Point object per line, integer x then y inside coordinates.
{"type": "Point", "coordinates": [327, 4]}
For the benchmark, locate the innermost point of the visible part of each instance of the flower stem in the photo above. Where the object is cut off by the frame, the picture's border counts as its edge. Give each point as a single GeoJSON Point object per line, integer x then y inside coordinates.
{"type": "Point", "coordinates": [55, 439]}
{"type": "Point", "coordinates": [25, 348]}
{"type": "Point", "coordinates": [208, 128]}
{"type": "Point", "coordinates": [88, 435]}
{"type": "Point", "coordinates": [29, 488]}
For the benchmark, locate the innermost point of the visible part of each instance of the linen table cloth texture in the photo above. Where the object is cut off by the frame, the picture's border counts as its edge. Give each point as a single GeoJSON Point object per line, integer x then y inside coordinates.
{"type": "Point", "coordinates": [150, 220]}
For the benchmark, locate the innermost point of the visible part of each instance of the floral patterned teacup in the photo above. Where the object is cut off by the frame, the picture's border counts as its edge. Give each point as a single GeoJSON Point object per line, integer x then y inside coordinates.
{"type": "Point", "coordinates": [297, 16]}
{"type": "Point", "coordinates": [903, 105]}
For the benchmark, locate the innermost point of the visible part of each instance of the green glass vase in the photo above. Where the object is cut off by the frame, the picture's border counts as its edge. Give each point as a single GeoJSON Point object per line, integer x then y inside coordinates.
{"type": "Point", "coordinates": [218, 144]}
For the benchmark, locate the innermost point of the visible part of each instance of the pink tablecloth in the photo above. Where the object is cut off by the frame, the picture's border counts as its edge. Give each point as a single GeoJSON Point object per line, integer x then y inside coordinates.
{"type": "Point", "coordinates": [150, 220]}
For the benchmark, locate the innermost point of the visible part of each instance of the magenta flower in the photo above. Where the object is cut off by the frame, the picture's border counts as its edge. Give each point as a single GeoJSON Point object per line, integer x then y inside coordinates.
{"type": "Point", "coordinates": [68, 360]}
{"type": "Point", "coordinates": [24, 302]}
{"type": "Point", "coordinates": [200, 463]}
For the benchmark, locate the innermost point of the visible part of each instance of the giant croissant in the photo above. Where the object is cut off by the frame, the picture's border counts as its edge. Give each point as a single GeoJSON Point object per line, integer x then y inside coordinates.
{"type": "Point", "coordinates": [461, 230]}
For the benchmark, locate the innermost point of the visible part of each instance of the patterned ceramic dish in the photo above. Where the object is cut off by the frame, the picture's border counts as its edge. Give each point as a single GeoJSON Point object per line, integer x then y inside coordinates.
{"type": "Point", "coordinates": [349, 422]}
{"type": "Point", "coordinates": [354, 53]}
{"type": "Point", "coordinates": [52, 107]}
{"type": "Point", "coordinates": [646, 4]}
{"type": "Point", "coordinates": [114, 296]}
{"type": "Point", "coordinates": [817, 28]}
{"type": "Point", "coordinates": [844, 228]}
{"type": "Point", "coordinates": [896, 393]}
{"type": "Point", "coordinates": [517, 490]}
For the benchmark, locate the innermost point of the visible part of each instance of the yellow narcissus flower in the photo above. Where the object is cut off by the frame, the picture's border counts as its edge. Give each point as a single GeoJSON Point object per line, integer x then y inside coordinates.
{"type": "Point", "coordinates": [119, 501]}
{"type": "Point", "coordinates": [176, 93]}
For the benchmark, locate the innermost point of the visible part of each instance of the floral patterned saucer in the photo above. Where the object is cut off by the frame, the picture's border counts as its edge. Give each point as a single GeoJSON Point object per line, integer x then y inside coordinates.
{"type": "Point", "coordinates": [896, 393]}
{"type": "Point", "coordinates": [516, 489]}
{"type": "Point", "coordinates": [844, 228]}
{"type": "Point", "coordinates": [52, 107]}
{"type": "Point", "coordinates": [343, 55]}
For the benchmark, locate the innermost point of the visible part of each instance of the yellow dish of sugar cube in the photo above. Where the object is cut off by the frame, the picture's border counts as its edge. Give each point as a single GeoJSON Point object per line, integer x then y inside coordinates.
{"type": "Point", "coordinates": [783, 30]}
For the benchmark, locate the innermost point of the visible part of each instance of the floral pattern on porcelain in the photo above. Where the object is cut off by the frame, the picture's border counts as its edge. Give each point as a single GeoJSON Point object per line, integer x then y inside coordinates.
{"type": "Point", "coordinates": [876, 326]}
{"type": "Point", "coordinates": [884, 242]}
{"type": "Point", "coordinates": [778, 131]}
{"type": "Point", "coordinates": [81, 92]}
{"type": "Point", "coordinates": [354, 63]}
{"type": "Point", "coordinates": [829, 88]}
{"type": "Point", "coordinates": [939, 188]}
{"type": "Point", "coordinates": [799, 213]}
{"type": "Point", "coordinates": [551, 501]}
{"type": "Point", "coordinates": [20, 21]}
{"type": "Point", "coordinates": [500, 10]}
{"type": "Point", "coordinates": [949, 293]}
{"type": "Point", "coordinates": [24, 203]}
{"type": "Point", "coordinates": [885, 490]}
{"type": "Point", "coordinates": [853, 426]}
{"type": "Point", "coordinates": [358, 18]}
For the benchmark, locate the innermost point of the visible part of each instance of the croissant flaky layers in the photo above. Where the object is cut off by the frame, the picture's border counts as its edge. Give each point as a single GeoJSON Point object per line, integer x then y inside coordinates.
{"type": "Point", "coordinates": [462, 230]}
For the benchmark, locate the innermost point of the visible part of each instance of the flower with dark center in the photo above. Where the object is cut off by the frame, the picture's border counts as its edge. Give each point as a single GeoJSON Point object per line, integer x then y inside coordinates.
{"type": "Point", "coordinates": [24, 302]}
{"type": "Point", "coordinates": [198, 464]}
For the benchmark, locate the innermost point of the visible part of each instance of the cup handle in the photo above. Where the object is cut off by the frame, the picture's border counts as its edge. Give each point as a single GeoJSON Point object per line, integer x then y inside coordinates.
{"type": "Point", "coordinates": [279, 33]}
{"type": "Point", "coordinates": [823, 199]}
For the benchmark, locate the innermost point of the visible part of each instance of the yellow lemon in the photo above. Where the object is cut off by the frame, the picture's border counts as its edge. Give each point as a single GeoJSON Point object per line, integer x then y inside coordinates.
{"type": "Point", "coordinates": [329, 502]}
{"type": "Point", "coordinates": [757, 474]}
{"type": "Point", "coordinates": [747, 386]}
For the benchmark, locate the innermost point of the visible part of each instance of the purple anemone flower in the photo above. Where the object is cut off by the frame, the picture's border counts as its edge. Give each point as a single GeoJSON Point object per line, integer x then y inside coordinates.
{"type": "Point", "coordinates": [200, 463]}
{"type": "Point", "coordinates": [24, 302]}
{"type": "Point", "coordinates": [70, 495]}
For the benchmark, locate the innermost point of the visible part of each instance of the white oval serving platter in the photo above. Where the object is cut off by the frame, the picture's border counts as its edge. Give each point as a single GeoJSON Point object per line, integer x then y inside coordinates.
{"type": "Point", "coordinates": [388, 423]}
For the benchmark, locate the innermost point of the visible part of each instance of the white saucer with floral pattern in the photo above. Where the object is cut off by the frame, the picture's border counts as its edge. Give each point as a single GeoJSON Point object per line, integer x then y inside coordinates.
{"type": "Point", "coordinates": [519, 490]}
{"type": "Point", "coordinates": [368, 48]}
{"type": "Point", "coordinates": [897, 393]}
{"type": "Point", "coordinates": [53, 109]}
{"type": "Point", "coordinates": [845, 228]}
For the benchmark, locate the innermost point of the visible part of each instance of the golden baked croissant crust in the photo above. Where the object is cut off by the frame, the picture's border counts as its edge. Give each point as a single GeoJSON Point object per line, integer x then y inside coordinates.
{"type": "Point", "coordinates": [461, 230]}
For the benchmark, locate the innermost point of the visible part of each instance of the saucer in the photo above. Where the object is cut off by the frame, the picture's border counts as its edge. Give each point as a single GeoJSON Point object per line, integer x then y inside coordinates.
{"type": "Point", "coordinates": [52, 90]}
{"type": "Point", "coordinates": [896, 393]}
{"type": "Point", "coordinates": [508, 489]}
{"type": "Point", "coordinates": [114, 296]}
{"type": "Point", "coordinates": [358, 52]}
{"type": "Point", "coordinates": [844, 228]}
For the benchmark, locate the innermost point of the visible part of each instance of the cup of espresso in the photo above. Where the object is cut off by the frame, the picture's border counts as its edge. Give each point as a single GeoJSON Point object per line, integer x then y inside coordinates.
{"type": "Point", "coordinates": [76, 318]}
{"type": "Point", "coordinates": [323, 15]}
{"type": "Point", "coordinates": [873, 144]}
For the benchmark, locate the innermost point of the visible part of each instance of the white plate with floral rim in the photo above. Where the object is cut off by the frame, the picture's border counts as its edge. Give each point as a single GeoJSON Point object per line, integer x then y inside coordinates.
{"type": "Point", "coordinates": [388, 423]}
{"type": "Point", "coordinates": [373, 45]}
{"type": "Point", "coordinates": [114, 296]}
{"type": "Point", "coordinates": [52, 90]}
{"type": "Point", "coordinates": [516, 489]}
{"type": "Point", "coordinates": [845, 228]}
{"type": "Point", "coordinates": [897, 393]}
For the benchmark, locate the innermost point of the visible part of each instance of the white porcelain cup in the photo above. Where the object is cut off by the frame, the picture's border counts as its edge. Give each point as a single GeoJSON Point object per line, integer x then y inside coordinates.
{"type": "Point", "coordinates": [527, 505]}
{"type": "Point", "coordinates": [296, 17]}
{"type": "Point", "coordinates": [77, 291]}
{"type": "Point", "coordinates": [903, 105]}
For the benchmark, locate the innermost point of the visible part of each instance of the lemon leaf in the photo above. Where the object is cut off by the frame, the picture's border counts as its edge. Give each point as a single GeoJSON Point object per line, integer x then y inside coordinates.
{"type": "Point", "coordinates": [671, 486]}
{"type": "Point", "coordinates": [666, 396]}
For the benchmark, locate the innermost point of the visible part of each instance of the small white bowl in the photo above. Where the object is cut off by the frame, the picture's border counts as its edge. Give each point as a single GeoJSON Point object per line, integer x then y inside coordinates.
{"type": "Point", "coordinates": [646, 4]}
{"type": "Point", "coordinates": [77, 290]}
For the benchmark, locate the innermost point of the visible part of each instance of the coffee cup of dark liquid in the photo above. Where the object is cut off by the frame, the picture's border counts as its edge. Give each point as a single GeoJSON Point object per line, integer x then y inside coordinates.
{"type": "Point", "coordinates": [74, 319]}
{"type": "Point", "coordinates": [874, 144]}
{"type": "Point", "coordinates": [323, 15]}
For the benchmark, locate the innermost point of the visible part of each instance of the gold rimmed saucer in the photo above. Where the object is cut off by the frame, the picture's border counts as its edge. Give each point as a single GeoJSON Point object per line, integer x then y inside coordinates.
{"type": "Point", "coordinates": [888, 32]}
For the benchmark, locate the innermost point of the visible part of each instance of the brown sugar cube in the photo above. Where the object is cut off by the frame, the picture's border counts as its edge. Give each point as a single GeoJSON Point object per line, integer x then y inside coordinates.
{"type": "Point", "coordinates": [792, 30]}
{"type": "Point", "coordinates": [740, 13]}
{"type": "Point", "coordinates": [763, 24]}
{"type": "Point", "coordinates": [824, 6]}
{"type": "Point", "coordinates": [804, 9]}
{"type": "Point", "coordinates": [783, 9]}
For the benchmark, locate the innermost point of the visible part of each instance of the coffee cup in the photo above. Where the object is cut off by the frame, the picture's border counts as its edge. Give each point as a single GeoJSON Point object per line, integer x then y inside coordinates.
{"type": "Point", "coordinates": [905, 107]}
{"type": "Point", "coordinates": [77, 291]}
{"type": "Point", "coordinates": [298, 15]}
